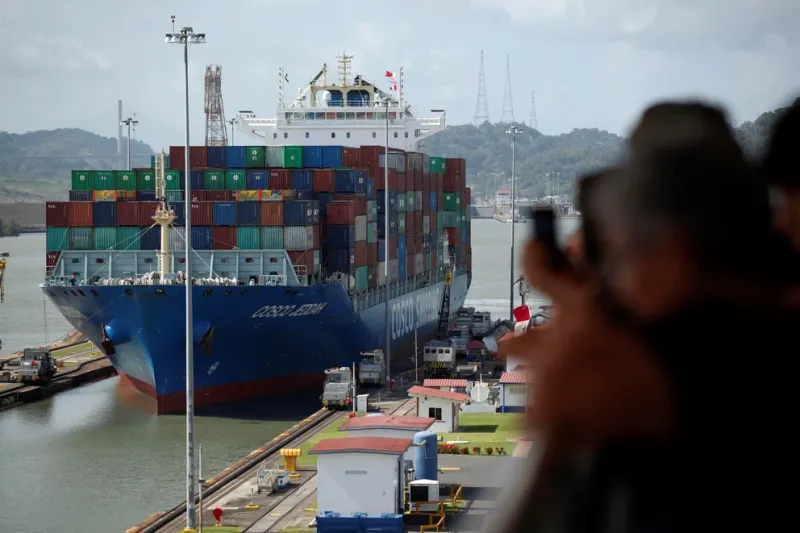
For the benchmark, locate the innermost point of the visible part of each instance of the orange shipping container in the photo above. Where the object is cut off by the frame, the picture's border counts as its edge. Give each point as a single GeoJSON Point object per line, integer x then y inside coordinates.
{"type": "Point", "coordinates": [351, 157]}
{"type": "Point", "coordinates": [361, 255]}
{"type": "Point", "coordinates": [341, 212]}
{"type": "Point", "coordinates": [359, 199]}
{"type": "Point", "coordinates": [280, 179]}
{"type": "Point", "coordinates": [104, 196]}
{"type": "Point", "coordinates": [203, 214]}
{"type": "Point", "coordinates": [271, 214]}
{"type": "Point", "coordinates": [81, 214]}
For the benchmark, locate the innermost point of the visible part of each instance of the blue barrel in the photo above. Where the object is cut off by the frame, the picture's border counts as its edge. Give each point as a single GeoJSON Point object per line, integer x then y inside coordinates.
{"type": "Point", "coordinates": [426, 457]}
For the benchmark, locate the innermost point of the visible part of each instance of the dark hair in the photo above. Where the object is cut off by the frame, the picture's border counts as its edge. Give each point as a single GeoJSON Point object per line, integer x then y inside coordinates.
{"type": "Point", "coordinates": [780, 164]}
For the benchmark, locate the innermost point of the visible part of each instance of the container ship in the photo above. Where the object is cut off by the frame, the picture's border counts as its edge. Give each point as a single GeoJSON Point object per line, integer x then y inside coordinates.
{"type": "Point", "coordinates": [288, 240]}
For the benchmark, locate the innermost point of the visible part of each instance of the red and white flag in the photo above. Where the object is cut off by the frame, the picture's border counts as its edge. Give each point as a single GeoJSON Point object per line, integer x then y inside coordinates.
{"type": "Point", "coordinates": [392, 79]}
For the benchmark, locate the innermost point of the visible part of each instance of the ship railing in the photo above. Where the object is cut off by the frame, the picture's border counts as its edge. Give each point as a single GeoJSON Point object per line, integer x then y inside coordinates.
{"type": "Point", "coordinates": [272, 280]}
{"type": "Point", "coordinates": [377, 296]}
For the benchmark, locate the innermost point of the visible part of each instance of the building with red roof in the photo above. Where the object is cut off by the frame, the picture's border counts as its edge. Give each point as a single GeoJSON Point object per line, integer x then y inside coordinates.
{"type": "Point", "coordinates": [515, 387]}
{"type": "Point", "coordinates": [442, 405]}
{"type": "Point", "coordinates": [361, 475]}
{"type": "Point", "coordinates": [392, 426]}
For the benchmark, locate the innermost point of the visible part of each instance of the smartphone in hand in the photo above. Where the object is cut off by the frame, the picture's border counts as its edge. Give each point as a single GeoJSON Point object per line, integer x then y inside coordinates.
{"type": "Point", "coordinates": [544, 231]}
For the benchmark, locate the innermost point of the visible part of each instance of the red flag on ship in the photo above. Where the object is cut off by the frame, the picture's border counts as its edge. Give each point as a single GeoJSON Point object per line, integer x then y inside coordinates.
{"type": "Point", "coordinates": [522, 313]}
{"type": "Point", "coordinates": [392, 80]}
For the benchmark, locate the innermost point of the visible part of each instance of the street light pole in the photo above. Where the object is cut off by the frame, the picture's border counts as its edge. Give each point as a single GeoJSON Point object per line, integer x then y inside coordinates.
{"type": "Point", "coordinates": [513, 131]}
{"type": "Point", "coordinates": [186, 36]}
{"type": "Point", "coordinates": [129, 122]}
{"type": "Point", "coordinates": [386, 207]}
{"type": "Point", "coordinates": [233, 122]}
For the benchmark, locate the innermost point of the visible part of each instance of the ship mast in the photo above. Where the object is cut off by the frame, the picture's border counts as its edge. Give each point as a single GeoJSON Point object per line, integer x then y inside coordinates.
{"type": "Point", "coordinates": [163, 217]}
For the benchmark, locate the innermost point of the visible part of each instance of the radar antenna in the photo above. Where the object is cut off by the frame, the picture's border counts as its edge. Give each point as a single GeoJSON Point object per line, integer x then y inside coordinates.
{"type": "Point", "coordinates": [344, 69]}
{"type": "Point", "coordinates": [164, 215]}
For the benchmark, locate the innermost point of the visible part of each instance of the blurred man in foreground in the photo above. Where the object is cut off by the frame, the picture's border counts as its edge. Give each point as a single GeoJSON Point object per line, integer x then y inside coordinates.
{"type": "Point", "coordinates": [781, 167]}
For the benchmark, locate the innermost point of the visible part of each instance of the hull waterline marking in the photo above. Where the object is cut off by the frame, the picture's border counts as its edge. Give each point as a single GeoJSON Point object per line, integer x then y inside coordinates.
{"type": "Point", "coordinates": [275, 311]}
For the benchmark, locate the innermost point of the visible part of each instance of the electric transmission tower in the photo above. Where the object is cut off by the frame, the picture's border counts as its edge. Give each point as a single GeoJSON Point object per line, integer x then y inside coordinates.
{"type": "Point", "coordinates": [534, 122]}
{"type": "Point", "coordinates": [508, 103]}
{"type": "Point", "coordinates": [216, 132]}
{"type": "Point", "coordinates": [482, 106]}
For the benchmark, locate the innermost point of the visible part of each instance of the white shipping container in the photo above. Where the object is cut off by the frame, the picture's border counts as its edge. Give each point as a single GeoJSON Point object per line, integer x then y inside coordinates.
{"type": "Point", "coordinates": [418, 201]}
{"type": "Point", "coordinates": [274, 156]}
{"type": "Point", "coordinates": [361, 228]}
{"type": "Point", "coordinates": [177, 238]}
{"type": "Point", "coordinates": [298, 238]}
{"type": "Point", "coordinates": [426, 224]}
{"type": "Point", "coordinates": [316, 260]}
{"type": "Point", "coordinates": [372, 210]}
{"type": "Point", "coordinates": [392, 271]}
{"type": "Point", "coordinates": [419, 264]}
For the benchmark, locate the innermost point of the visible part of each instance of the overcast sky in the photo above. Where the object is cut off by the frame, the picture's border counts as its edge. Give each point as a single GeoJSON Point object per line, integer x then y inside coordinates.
{"type": "Point", "coordinates": [592, 63]}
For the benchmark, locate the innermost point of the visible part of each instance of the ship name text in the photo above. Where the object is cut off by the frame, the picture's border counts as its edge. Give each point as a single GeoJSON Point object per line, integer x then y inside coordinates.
{"type": "Point", "coordinates": [409, 313]}
{"type": "Point", "coordinates": [276, 311]}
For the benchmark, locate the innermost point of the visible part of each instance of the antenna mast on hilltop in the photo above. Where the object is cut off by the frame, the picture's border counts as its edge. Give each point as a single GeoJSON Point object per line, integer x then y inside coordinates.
{"type": "Point", "coordinates": [508, 102]}
{"type": "Point", "coordinates": [534, 122]}
{"type": "Point", "coordinates": [216, 132]}
{"type": "Point", "coordinates": [482, 106]}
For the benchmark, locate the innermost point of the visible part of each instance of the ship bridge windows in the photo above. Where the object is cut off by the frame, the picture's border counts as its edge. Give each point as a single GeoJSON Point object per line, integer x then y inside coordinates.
{"type": "Point", "coordinates": [358, 98]}
{"type": "Point", "coordinates": [337, 98]}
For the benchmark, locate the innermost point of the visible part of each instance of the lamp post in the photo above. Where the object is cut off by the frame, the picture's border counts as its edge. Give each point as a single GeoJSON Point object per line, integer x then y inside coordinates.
{"type": "Point", "coordinates": [233, 122]}
{"type": "Point", "coordinates": [129, 122]}
{"type": "Point", "coordinates": [184, 37]}
{"type": "Point", "coordinates": [386, 206]}
{"type": "Point", "coordinates": [513, 131]}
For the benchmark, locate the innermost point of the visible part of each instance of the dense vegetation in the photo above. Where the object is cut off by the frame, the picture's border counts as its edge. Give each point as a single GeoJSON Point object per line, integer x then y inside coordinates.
{"type": "Point", "coordinates": [36, 166]}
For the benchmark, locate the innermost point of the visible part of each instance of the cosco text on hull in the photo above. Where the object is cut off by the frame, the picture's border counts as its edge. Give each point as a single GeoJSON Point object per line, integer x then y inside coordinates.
{"type": "Point", "coordinates": [275, 311]}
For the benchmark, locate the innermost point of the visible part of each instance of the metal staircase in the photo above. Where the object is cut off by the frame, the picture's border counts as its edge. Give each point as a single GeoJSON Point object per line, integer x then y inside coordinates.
{"type": "Point", "coordinates": [444, 311]}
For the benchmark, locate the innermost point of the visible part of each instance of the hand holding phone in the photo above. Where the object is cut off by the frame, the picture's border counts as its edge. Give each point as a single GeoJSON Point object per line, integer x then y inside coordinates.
{"type": "Point", "coordinates": [544, 231]}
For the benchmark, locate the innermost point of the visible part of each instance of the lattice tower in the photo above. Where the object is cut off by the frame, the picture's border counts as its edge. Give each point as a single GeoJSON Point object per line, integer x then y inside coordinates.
{"type": "Point", "coordinates": [534, 122]}
{"type": "Point", "coordinates": [482, 106]}
{"type": "Point", "coordinates": [508, 102]}
{"type": "Point", "coordinates": [216, 132]}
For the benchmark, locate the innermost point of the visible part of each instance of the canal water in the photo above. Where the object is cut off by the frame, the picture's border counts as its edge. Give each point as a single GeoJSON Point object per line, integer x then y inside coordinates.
{"type": "Point", "coordinates": [98, 459]}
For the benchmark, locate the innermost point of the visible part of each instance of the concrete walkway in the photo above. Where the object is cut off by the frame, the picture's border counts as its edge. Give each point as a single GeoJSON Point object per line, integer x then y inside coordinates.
{"type": "Point", "coordinates": [285, 507]}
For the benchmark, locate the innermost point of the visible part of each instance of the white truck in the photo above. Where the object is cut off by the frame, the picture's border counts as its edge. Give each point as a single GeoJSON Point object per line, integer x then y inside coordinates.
{"type": "Point", "coordinates": [439, 359]}
{"type": "Point", "coordinates": [371, 369]}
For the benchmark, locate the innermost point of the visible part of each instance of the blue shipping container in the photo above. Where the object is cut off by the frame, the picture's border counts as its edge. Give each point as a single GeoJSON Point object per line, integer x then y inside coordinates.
{"type": "Point", "coordinates": [341, 260]}
{"type": "Point", "coordinates": [247, 238]}
{"type": "Point", "coordinates": [105, 214]}
{"type": "Point", "coordinates": [433, 201]}
{"type": "Point", "coordinates": [344, 180]}
{"type": "Point", "coordinates": [174, 197]}
{"type": "Point", "coordinates": [234, 157]}
{"type": "Point", "coordinates": [247, 213]}
{"type": "Point", "coordinates": [324, 198]}
{"type": "Point", "coordinates": [151, 238]}
{"type": "Point", "coordinates": [301, 179]}
{"type": "Point", "coordinates": [201, 237]}
{"type": "Point", "coordinates": [401, 247]}
{"type": "Point", "coordinates": [341, 236]}
{"type": "Point", "coordinates": [180, 214]}
{"type": "Point", "coordinates": [80, 196]}
{"type": "Point", "coordinates": [464, 236]}
{"type": "Point", "coordinates": [402, 270]}
{"type": "Point", "coordinates": [298, 213]}
{"type": "Point", "coordinates": [312, 157]}
{"type": "Point", "coordinates": [361, 180]}
{"type": "Point", "coordinates": [271, 238]}
{"type": "Point", "coordinates": [257, 179]}
{"type": "Point", "coordinates": [196, 179]}
{"type": "Point", "coordinates": [145, 196]}
{"type": "Point", "coordinates": [426, 243]}
{"type": "Point", "coordinates": [392, 225]}
{"type": "Point", "coordinates": [331, 157]}
{"type": "Point", "coordinates": [224, 214]}
{"type": "Point", "coordinates": [304, 195]}
{"type": "Point", "coordinates": [370, 189]}
{"type": "Point", "coordinates": [381, 250]}
{"type": "Point", "coordinates": [216, 156]}
{"type": "Point", "coordinates": [382, 201]}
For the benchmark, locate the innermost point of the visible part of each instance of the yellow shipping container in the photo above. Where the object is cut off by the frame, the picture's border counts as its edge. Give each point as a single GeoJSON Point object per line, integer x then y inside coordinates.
{"type": "Point", "coordinates": [271, 196]}
{"type": "Point", "coordinates": [104, 196]}
{"type": "Point", "coordinates": [125, 196]}
{"type": "Point", "coordinates": [243, 196]}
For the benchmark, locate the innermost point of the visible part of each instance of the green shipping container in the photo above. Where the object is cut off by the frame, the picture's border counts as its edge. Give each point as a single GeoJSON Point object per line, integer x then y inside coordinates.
{"type": "Point", "coordinates": [57, 240]}
{"type": "Point", "coordinates": [173, 197]}
{"type": "Point", "coordinates": [437, 165]}
{"type": "Point", "coordinates": [173, 180]}
{"type": "Point", "coordinates": [372, 210]}
{"type": "Point", "coordinates": [411, 204]}
{"type": "Point", "coordinates": [452, 201]}
{"type": "Point", "coordinates": [254, 157]}
{"type": "Point", "coordinates": [80, 239]}
{"type": "Point", "coordinates": [292, 157]}
{"type": "Point", "coordinates": [103, 180]}
{"type": "Point", "coordinates": [146, 180]}
{"type": "Point", "coordinates": [401, 223]}
{"type": "Point", "coordinates": [153, 161]}
{"type": "Point", "coordinates": [271, 238]}
{"type": "Point", "coordinates": [401, 202]}
{"type": "Point", "coordinates": [125, 180]}
{"type": "Point", "coordinates": [372, 232]}
{"type": "Point", "coordinates": [214, 180]}
{"type": "Point", "coordinates": [247, 238]}
{"type": "Point", "coordinates": [235, 180]}
{"type": "Point", "coordinates": [82, 180]}
{"type": "Point", "coordinates": [440, 220]}
{"type": "Point", "coordinates": [127, 238]}
{"type": "Point", "coordinates": [450, 219]}
{"type": "Point", "coordinates": [362, 279]}
{"type": "Point", "coordinates": [105, 238]}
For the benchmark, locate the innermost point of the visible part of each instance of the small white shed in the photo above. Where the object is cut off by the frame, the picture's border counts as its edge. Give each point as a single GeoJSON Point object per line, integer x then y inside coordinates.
{"type": "Point", "coordinates": [360, 475]}
{"type": "Point", "coordinates": [442, 405]}
{"type": "Point", "coordinates": [455, 385]}
{"type": "Point", "coordinates": [515, 391]}
{"type": "Point", "coordinates": [393, 426]}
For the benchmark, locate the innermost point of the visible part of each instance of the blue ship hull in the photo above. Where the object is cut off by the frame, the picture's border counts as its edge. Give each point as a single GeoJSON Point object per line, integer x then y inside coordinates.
{"type": "Point", "coordinates": [248, 341]}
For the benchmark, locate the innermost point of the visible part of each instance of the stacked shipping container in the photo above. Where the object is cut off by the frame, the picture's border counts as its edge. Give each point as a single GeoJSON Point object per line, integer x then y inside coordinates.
{"type": "Point", "coordinates": [325, 205]}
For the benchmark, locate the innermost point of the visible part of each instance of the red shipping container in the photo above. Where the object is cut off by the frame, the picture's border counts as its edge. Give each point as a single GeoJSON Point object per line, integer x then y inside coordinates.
{"type": "Point", "coordinates": [316, 234]}
{"type": "Point", "coordinates": [198, 157]}
{"type": "Point", "coordinates": [418, 221]}
{"type": "Point", "coordinates": [433, 222]}
{"type": "Point", "coordinates": [128, 214]}
{"type": "Point", "coordinates": [145, 212]}
{"type": "Point", "coordinates": [280, 179]}
{"type": "Point", "coordinates": [434, 261]}
{"type": "Point", "coordinates": [440, 201]}
{"type": "Point", "coordinates": [322, 180]}
{"type": "Point", "coordinates": [305, 258]}
{"type": "Point", "coordinates": [177, 157]}
{"type": "Point", "coordinates": [455, 166]}
{"type": "Point", "coordinates": [370, 155]}
{"type": "Point", "coordinates": [418, 181]}
{"type": "Point", "coordinates": [362, 258]}
{"type": "Point", "coordinates": [372, 254]}
{"type": "Point", "coordinates": [271, 214]}
{"type": "Point", "coordinates": [467, 196]}
{"type": "Point", "coordinates": [341, 212]}
{"type": "Point", "coordinates": [401, 182]}
{"type": "Point", "coordinates": [323, 228]}
{"type": "Point", "coordinates": [410, 266]}
{"type": "Point", "coordinates": [223, 238]}
{"type": "Point", "coordinates": [452, 236]}
{"type": "Point", "coordinates": [360, 201]}
{"type": "Point", "coordinates": [203, 214]}
{"type": "Point", "coordinates": [199, 196]}
{"type": "Point", "coordinates": [351, 157]}
{"type": "Point", "coordinates": [410, 247]}
{"type": "Point", "coordinates": [81, 214]}
{"type": "Point", "coordinates": [450, 183]}
{"type": "Point", "coordinates": [219, 196]}
{"type": "Point", "coordinates": [392, 246]}
{"type": "Point", "coordinates": [380, 180]}
{"type": "Point", "coordinates": [410, 223]}
{"type": "Point", "coordinates": [56, 214]}
{"type": "Point", "coordinates": [418, 242]}
{"type": "Point", "coordinates": [439, 182]}
{"type": "Point", "coordinates": [50, 262]}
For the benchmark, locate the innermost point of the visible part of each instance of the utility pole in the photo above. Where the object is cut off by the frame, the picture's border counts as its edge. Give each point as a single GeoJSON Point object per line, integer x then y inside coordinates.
{"type": "Point", "coordinates": [130, 121]}
{"type": "Point", "coordinates": [513, 131]}
{"type": "Point", "coordinates": [386, 210]}
{"type": "Point", "coordinates": [233, 122]}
